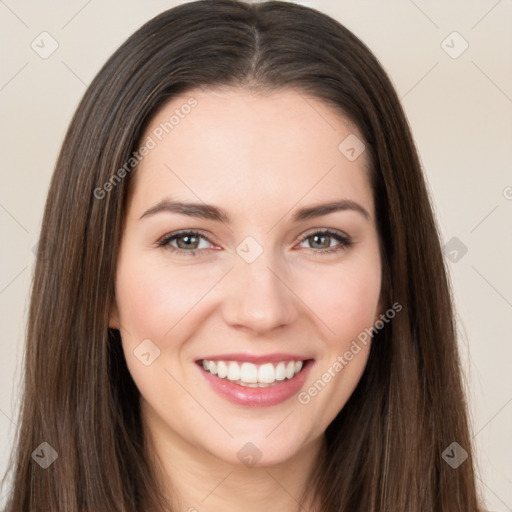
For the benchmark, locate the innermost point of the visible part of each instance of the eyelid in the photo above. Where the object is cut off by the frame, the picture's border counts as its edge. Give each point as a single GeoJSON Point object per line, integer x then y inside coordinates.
{"type": "Point", "coordinates": [325, 231]}
{"type": "Point", "coordinates": [164, 240]}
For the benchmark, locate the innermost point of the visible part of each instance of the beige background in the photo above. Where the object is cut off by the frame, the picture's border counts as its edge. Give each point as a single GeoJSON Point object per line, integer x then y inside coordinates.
{"type": "Point", "coordinates": [460, 110]}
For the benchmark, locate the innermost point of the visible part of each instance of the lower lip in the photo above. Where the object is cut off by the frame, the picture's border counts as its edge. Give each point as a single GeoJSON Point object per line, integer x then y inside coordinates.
{"type": "Point", "coordinates": [258, 397]}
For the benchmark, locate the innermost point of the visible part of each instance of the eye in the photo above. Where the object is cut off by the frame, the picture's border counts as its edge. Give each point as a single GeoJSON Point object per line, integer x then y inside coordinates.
{"type": "Point", "coordinates": [188, 243]}
{"type": "Point", "coordinates": [321, 241]}
{"type": "Point", "coordinates": [184, 242]}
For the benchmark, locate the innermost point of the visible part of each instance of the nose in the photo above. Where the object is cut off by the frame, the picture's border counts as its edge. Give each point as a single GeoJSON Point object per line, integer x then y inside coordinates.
{"type": "Point", "coordinates": [259, 299]}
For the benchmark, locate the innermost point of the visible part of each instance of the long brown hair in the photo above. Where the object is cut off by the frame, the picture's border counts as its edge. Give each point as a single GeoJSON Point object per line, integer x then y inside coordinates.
{"type": "Point", "coordinates": [385, 447]}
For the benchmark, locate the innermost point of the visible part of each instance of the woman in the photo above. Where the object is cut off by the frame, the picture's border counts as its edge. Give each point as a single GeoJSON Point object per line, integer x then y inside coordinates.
{"type": "Point", "coordinates": [240, 298]}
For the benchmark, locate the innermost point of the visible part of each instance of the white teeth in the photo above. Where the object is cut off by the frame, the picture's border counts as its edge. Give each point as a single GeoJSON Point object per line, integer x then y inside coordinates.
{"type": "Point", "coordinates": [266, 373]}
{"type": "Point", "coordinates": [290, 369]}
{"type": "Point", "coordinates": [280, 371]}
{"type": "Point", "coordinates": [251, 375]}
{"type": "Point", "coordinates": [222, 369]}
{"type": "Point", "coordinates": [233, 371]}
{"type": "Point", "coordinates": [212, 367]}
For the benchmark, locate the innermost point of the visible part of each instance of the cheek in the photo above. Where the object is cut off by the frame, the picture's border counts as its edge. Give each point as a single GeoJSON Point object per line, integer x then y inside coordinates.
{"type": "Point", "coordinates": [345, 300]}
{"type": "Point", "coordinates": [154, 300]}
{"type": "Point", "coordinates": [153, 297]}
{"type": "Point", "coordinates": [346, 304]}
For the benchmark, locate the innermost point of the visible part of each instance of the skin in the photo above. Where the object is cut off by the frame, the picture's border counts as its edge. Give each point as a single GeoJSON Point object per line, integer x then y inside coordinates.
{"type": "Point", "coordinates": [260, 157]}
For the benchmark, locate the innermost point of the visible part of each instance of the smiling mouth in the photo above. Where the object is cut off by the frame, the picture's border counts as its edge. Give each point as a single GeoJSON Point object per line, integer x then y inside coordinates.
{"type": "Point", "coordinates": [254, 375]}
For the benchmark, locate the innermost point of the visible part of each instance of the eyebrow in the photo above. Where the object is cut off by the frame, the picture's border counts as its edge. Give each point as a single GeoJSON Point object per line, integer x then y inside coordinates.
{"type": "Point", "coordinates": [210, 212]}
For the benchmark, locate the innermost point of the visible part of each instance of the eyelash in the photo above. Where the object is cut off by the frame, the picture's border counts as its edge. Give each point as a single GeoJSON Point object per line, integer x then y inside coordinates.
{"type": "Point", "coordinates": [345, 242]}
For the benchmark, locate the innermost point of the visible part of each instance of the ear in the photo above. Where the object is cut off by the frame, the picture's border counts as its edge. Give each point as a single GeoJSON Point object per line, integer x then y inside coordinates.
{"type": "Point", "coordinates": [113, 321]}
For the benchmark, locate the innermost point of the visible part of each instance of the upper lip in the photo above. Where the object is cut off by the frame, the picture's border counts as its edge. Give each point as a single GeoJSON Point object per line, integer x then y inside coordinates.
{"type": "Point", "coordinates": [256, 359]}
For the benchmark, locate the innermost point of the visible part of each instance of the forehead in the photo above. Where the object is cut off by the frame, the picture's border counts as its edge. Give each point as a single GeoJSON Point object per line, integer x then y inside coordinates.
{"type": "Point", "coordinates": [240, 147]}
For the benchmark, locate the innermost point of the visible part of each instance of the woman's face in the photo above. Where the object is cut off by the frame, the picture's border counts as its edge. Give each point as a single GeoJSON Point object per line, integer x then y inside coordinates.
{"type": "Point", "coordinates": [251, 274]}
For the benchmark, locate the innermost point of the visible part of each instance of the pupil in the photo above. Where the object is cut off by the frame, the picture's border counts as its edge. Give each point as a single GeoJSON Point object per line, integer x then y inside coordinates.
{"type": "Point", "coordinates": [187, 241]}
{"type": "Point", "coordinates": [317, 237]}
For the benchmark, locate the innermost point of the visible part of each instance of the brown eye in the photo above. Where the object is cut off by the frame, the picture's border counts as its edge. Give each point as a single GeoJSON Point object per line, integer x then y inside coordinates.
{"type": "Point", "coordinates": [184, 242]}
{"type": "Point", "coordinates": [322, 241]}
{"type": "Point", "coordinates": [187, 241]}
